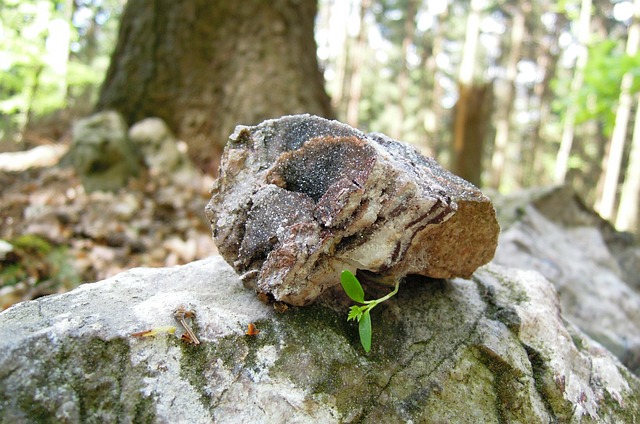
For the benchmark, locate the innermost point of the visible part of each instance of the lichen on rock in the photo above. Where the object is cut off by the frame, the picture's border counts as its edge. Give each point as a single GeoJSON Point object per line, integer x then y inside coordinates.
{"type": "Point", "coordinates": [301, 198]}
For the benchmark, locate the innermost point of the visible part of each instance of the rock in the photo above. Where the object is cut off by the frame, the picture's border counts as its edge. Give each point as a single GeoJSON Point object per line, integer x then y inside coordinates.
{"type": "Point", "coordinates": [102, 154]}
{"type": "Point", "coordinates": [301, 198]}
{"type": "Point", "coordinates": [162, 152]}
{"type": "Point", "coordinates": [579, 252]}
{"type": "Point", "coordinates": [491, 349]}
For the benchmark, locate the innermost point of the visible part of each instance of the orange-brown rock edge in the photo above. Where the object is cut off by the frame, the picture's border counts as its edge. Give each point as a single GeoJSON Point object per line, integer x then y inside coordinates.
{"type": "Point", "coordinates": [300, 199]}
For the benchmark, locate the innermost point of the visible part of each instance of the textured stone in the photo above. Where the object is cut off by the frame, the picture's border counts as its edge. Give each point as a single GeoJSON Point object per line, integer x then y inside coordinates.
{"type": "Point", "coordinates": [491, 349]}
{"type": "Point", "coordinates": [301, 198]}
{"type": "Point", "coordinates": [163, 154]}
{"type": "Point", "coordinates": [590, 264]}
{"type": "Point", "coordinates": [102, 153]}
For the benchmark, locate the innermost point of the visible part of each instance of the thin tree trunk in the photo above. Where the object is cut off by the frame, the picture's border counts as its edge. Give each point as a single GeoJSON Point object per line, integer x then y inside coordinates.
{"type": "Point", "coordinates": [355, 82]}
{"type": "Point", "coordinates": [463, 134]}
{"type": "Point", "coordinates": [403, 76]}
{"type": "Point", "coordinates": [547, 61]}
{"type": "Point", "coordinates": [503, 121]}
{"type": "Point", "coordinates": [433, 92]}
{"type": "Point", "coordinates": [339, 83]}
{"type": "Point", "coordinates": [607, 202]}
{"type": "Point", "coordinates": [628, 211]}
{"type": "Point", "coordinates": [562, 159]}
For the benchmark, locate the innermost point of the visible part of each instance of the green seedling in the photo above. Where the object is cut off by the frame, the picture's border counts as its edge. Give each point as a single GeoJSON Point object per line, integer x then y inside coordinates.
{"type": "Point", "coordinates": [362, 314]}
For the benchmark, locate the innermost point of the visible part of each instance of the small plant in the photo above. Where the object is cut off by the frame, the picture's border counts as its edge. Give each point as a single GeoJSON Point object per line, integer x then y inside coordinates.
{"type": "Point", "coordinates": [362, 314]}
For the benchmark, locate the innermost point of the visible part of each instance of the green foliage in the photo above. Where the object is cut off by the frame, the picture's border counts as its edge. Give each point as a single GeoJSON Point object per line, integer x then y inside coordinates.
{"type": "Point", "coordinates": [362, 314]}
{"type": "Point", "coordinates": [43, 60]}
{"type": "Point", "coordinates": [598, 98]}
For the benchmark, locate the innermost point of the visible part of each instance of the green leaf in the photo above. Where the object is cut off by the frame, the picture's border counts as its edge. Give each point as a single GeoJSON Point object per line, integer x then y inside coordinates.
{"type": "Point", "coordinates": [365, 331]}
{"type": "Point", "coordinates": [352, 286]}
{"type": "Point", "coordinates": [354, 313]}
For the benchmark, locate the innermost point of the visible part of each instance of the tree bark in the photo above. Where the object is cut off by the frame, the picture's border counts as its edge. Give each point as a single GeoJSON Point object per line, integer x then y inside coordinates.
{"type": "Point", "coordinates": [205, 67]}
{"type": "Point", "coordinates": [472, 115]}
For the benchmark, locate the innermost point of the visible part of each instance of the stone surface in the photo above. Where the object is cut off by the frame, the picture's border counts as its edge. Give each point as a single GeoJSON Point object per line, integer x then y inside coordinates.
{"type": "Point", "coordinates": [491, 349]}
{"type": "Point", "coordinates": [593, 267]}
{"type": "Point", "coordinates": [163, 154]}
{"type": "Point", "coordinates": [102, 153]}
{"type": "Point", "coordinates": [301, 198]}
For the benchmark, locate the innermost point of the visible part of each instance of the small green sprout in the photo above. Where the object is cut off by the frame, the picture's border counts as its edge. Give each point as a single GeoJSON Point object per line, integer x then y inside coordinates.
{"type": "Point", "coordinates": [362, 314]}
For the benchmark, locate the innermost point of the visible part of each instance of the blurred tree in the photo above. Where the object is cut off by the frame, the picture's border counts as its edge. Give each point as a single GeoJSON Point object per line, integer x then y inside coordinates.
{"type": "Point", "coordinates": [205, 67]}
{"type": "Point", "coordinates": [473, 108]}
{"type": "Point", "coordinates": [583, 36]}
{"type": "Point", "coordinates": [506, 95]}
{"type": "Point", "coordinates": [612, 166]}
{"type": "Point", "coordinates": [354, 73]}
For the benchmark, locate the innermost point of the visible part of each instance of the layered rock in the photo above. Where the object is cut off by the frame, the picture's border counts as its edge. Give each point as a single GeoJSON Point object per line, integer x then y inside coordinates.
{"type": "Point", "coordinates": [300, 199]}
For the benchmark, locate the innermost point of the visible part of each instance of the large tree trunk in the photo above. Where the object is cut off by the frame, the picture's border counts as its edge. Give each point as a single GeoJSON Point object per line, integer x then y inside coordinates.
{"type": "Point", "coordinates": [206, 66]}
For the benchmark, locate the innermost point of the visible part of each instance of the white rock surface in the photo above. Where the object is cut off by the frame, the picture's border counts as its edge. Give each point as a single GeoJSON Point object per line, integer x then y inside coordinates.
{"type": "Point", "coordinates": [574, 253]}
{"type": "Point", "coordinates": [491, 349]}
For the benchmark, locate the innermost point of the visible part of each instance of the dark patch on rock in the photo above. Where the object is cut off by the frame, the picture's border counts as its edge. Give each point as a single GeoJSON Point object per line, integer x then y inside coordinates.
{"type": "Point", "coordinates": [301, 198]}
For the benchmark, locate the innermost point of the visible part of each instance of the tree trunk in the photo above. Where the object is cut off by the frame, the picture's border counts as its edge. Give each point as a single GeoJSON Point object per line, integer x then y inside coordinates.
{"type": "Point", "coordinates": [205, 67]}
{"type": "Point", "coordinates": [468, 131]}
{"type": "Point", "coordinates": [612, 166]}
{"type": "Point", "coordinates": [503, 118]}
{"type": "Point", "coordinates": [472, 115]}
{"type": "Point", "coordinates": [403, 76]}
{"type": "Point", "coordinates": [562, 160]}
{"type": "Point", "coordinates": [357, 60]}
{"type": "Point", "coordinates": [627, 218]}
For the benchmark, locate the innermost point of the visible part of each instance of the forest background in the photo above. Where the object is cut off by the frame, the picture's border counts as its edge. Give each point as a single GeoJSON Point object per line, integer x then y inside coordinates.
{"type": "Point", "coordinates": [508, 94]}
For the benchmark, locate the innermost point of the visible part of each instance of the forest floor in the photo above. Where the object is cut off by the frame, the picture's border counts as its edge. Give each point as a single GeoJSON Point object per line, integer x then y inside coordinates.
{"type": "Point", "coordinates": [54, 235]}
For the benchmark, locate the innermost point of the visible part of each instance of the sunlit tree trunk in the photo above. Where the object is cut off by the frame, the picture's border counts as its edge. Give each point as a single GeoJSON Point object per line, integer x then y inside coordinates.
{"type": "Point", "coordinates": [205, 67]}
{"type": "Point", "coordinates": [467, 139]}
{"type": "Point", "coordinates": [433, 92]}
{"type": "Point", "coordinates": [606, 206]}
{"type": "Point", "coordinates": [547, 59]}
{"type": "Point", "coordinates": [403, 76]}
{"type": "Point", "coordinates": [340, 78]}
{"type": "Point", "coordinates": [628, 210]}
{"type": "Point", "coordinates": [562, 159]}
{"type": "Point", "coordinates": [357, 61]}
{"type": "Point", "coordinates": [505, 106]}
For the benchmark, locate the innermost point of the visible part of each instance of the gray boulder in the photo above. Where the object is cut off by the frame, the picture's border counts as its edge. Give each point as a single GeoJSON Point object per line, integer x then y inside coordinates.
{"type": "Point", "coordinates": [101, 152]}
{"type": "Point", "coordinates": [494, 348]}
{"type": "Point", "coordinates": [594, 268]}
{"type": "Point", "coordinates": [164, 156]}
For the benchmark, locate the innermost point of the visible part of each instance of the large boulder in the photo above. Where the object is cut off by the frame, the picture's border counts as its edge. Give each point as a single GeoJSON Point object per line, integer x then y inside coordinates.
{"type": "Point", "coordinates": [301, 198]}
{"type": "Point", "coordinates": [494, 348]}
{"type": "Point", "coordinates": [594, 268]}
